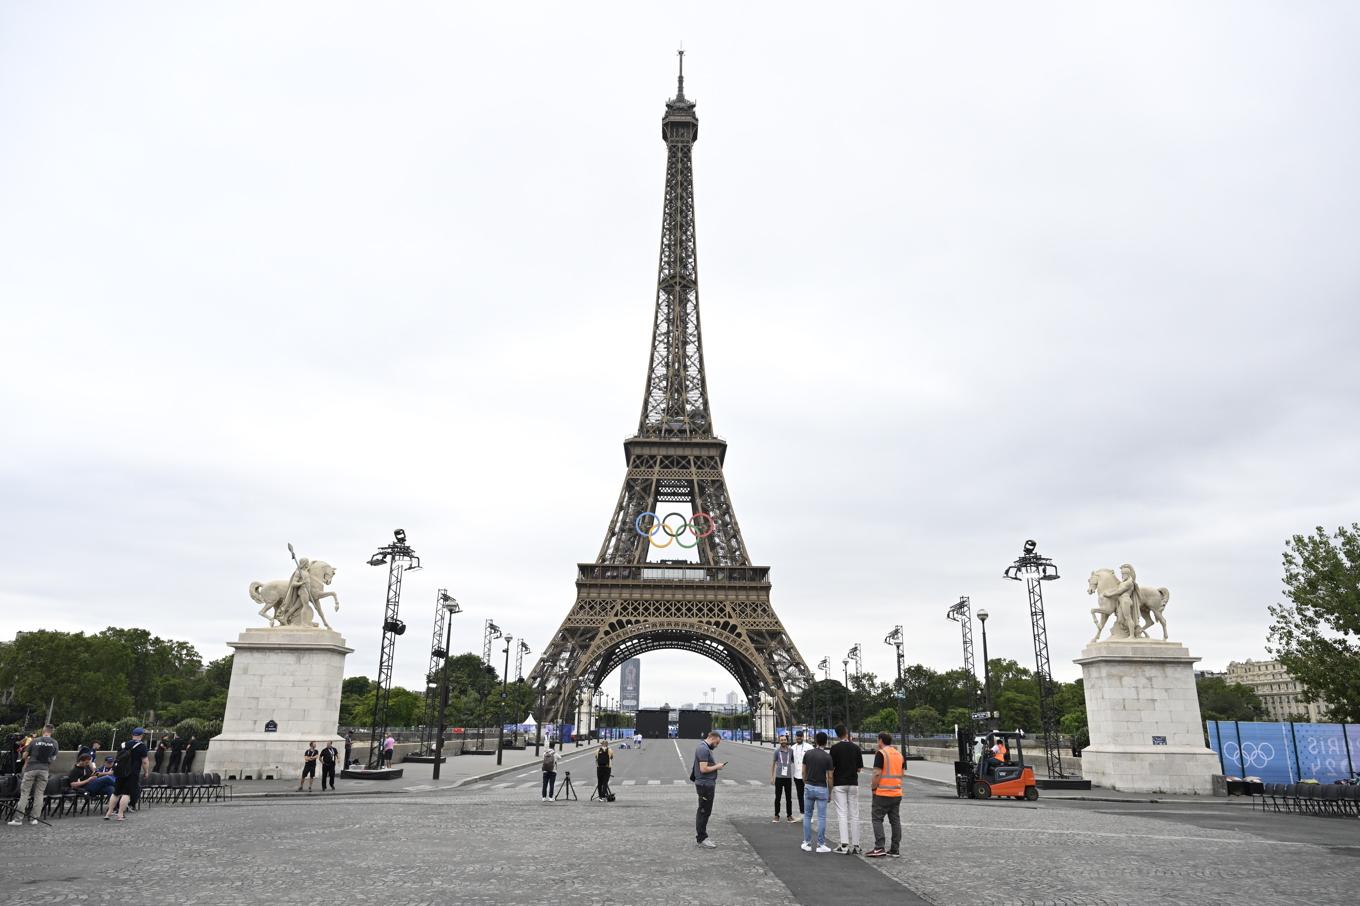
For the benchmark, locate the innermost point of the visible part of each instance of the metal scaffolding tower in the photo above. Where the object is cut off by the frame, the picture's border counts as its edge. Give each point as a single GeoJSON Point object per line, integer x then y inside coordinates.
{"type": "Point", "coordinates": [399, 558]}
{"type": "Point", "coordinates": [1036, 570]}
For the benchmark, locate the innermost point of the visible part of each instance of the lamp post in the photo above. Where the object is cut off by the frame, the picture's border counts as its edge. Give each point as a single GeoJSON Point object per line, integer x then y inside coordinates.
{"type": "Point", "coordinates": [500, 711]}
{"type": "Point", "coordinates": [450, 608]}
{"type": "Point", "coordinates": [987, 671]}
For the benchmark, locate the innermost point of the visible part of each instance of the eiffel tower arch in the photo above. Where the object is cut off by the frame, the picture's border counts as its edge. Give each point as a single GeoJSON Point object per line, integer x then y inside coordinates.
{"type": "Point", "coordinates": [674, 492]}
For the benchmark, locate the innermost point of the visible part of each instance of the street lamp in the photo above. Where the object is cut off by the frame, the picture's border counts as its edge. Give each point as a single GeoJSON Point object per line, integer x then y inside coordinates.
{"type": "Point", "coordinates": [451, 607]}
{"type": "Point", "coordinates": [987, 670]}
{"type": "Point", "coordinates": [824, 665]}
{"type": "Point", "coordinates": [500, 711]}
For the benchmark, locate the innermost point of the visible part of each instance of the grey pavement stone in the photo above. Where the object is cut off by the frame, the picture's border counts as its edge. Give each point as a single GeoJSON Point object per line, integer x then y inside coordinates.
{"type": "Point", "coordinates": [495, 842]}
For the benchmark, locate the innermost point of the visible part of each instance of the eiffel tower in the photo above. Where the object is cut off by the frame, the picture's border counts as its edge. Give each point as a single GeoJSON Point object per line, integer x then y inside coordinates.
{"type": "Point", "coordinates": [719, 606]}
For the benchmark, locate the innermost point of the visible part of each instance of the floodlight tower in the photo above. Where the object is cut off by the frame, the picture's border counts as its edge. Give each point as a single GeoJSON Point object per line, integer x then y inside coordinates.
{"type": "Point", "coordinates": [450, 607]}
{"type": "Point", "coordinates": [962, 613]}
{"type": "Point", "coordinates": [895, 639]}
{"type": "Point", "coordinates": [399, 558]}
{"type": "Point", "coordinates": [439, 655]}
{"type": "Point", "coordinates": [1036, 570]}
{"type": "Point", "coordinates": [519, 658]}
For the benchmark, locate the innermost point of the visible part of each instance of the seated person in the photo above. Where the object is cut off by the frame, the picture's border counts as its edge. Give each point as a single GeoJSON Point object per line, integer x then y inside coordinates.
{"type": "Point", "coordinates": [106, 768]}
{"type": "Point", "coordinates": [85, 781]}
{"type": "Point", "coordinates": [996, 756]}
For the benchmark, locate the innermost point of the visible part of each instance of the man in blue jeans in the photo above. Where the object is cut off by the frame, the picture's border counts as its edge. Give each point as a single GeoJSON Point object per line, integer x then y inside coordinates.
{"type": "Point", "coordinates": [704, 772]}
{"type": "Point", "coordinates": [818, 771]}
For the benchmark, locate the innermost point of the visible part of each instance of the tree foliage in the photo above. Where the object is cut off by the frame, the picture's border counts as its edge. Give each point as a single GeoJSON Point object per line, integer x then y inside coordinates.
{"type": "Point", "coordinates": [1222, 700]}
{"type": "Point", "coordinates": [110, 675]}
{"type": "Point", "coordinates": [1316, 634]}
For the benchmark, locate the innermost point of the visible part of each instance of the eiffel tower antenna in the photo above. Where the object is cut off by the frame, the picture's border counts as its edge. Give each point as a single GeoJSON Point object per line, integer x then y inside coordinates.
{"type": "Point", "coordinates": [710, 599]}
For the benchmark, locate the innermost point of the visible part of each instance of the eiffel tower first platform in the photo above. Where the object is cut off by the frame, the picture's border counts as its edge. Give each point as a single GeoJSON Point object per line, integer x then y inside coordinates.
{"type": "Point", "coordinates": [719, 606]}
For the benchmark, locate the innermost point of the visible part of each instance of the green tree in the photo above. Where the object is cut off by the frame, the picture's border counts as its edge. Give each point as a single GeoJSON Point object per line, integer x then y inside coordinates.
{"type": "Point", "coordinates": [923, 721]}
{"type": "Point", "coordinates": [1316, 634]}
{"type": "Point", "coordinates": [884, 720]}
{"type": "Point", "coordinates": [86, 679]}
{"type": "Point", "coordinates": [1222, 700]}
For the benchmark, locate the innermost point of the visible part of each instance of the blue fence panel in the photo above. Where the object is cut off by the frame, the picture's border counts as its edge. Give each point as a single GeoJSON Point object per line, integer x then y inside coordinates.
{"type": "Point", "coordinates": [1284, 752]}
{"type": "Point", "coordinates": [1321, 752]}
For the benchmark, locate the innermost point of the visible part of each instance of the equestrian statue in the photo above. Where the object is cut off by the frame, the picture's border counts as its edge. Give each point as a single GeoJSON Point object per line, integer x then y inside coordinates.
{"type": "Point", "coordinates": [286, 601]}
{"type": "Point", "coordinates": [1128, 602]}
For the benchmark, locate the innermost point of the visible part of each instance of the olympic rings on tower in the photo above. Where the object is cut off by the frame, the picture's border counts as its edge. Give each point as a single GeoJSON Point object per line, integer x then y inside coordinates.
{"type": "Point", "coordinates": [656, 526]}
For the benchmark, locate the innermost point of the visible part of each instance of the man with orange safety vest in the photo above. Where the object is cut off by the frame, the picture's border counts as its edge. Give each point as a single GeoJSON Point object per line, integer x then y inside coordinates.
{"type": "Point", "coordinates": [999, 754]}
{"type": "Point", "coordinates": [889, 767]}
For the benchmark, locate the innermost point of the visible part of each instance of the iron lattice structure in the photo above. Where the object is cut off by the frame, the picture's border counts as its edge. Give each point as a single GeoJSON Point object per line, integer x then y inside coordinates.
{"type": "Point", "coordinates": [437, 658]}
{"type": "Point", "coordinates": [718, 605]}
{"type": "Point", "coordinates": [400, 558]}
{"type": "Point", "coordinates": [962, 613]}
{"type": "Point", "coordinates": [1036, 570]}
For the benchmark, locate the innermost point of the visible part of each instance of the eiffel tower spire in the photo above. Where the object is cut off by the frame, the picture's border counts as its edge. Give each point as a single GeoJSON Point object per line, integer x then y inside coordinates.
{"type": "Point", "coordinates": [675, 403]}
{"type": "Point", "coordinates": [645, 591]}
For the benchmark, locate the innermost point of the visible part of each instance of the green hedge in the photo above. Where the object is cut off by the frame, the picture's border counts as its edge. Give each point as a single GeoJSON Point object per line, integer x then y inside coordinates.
{"type": "Point", "coordinates": [100, 732]}
{"type": "Point", "coordinates": [70, 735]}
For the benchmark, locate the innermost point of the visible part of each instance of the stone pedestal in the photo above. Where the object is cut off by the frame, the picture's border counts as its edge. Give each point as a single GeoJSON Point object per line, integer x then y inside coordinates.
{"type": "Point", "coordinates": [1143, 714]}
{"type": "Point", "coordinates": [289, 677]}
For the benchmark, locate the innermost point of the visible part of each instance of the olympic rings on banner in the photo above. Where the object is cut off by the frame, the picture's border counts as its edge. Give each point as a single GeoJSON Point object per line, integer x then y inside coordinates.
{"type": "Point", "coordinates": [651, 526]}
{"type": "Point", "coordinates": [1251, 755]}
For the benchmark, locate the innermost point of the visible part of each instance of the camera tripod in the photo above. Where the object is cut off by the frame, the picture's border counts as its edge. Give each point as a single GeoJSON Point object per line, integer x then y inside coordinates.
{"type": "Point", "coordinates": [565, 791]}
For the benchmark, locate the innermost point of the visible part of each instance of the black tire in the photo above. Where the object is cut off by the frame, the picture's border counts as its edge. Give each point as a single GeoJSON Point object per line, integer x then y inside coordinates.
{"type": "Point", "coordinates": [1031, 794]}
{"type": "Point", "coordinates": [982, 790]}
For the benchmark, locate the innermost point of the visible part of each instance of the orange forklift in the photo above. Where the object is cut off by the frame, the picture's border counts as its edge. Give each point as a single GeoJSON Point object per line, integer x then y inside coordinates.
{"type": "Point", "coordinates": [977, 775]}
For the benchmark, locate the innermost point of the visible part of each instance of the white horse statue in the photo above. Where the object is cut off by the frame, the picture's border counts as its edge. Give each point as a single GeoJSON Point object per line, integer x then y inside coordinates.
{"type": "Point", "coordinates": [286, 600]}
{"type": "Point", "coordinates": [1117, 599]}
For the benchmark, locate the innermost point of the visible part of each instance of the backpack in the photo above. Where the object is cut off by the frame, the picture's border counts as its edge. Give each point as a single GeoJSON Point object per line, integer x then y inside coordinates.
{"type": "Point", "coordinates": [123, 765]}
{"type": "Point", "coordinates": [550, 760]}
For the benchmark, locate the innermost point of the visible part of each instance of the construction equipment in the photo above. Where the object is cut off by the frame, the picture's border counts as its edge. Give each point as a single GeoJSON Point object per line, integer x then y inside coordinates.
{"type": "Point", "coordinates": [978, 775]}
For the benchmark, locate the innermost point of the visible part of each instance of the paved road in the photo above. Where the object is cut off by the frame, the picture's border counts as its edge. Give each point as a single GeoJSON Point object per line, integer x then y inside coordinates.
{"type": "Point", "coordinates": [495, 842]}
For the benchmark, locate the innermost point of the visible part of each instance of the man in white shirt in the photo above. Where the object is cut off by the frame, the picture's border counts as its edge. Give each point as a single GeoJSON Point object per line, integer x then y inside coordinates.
{"type": "Point", "coordinates": [800, 748]}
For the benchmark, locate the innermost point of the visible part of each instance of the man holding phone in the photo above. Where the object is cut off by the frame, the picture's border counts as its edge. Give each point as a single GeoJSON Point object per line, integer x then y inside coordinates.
{"type": "Point", "coordinates": [704, 773]}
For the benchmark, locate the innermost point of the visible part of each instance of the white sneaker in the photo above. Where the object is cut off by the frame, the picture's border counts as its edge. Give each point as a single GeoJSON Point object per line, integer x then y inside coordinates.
{"type": "Point", "coordinates": [805, 846]}
{"type": "Point", "coordinates": [709, 843]}
{"type": "Point", "coordinates": [17, 822]}
{"type": "Point", "coordinates": [823, 848]}
{"type": "Point", "coordinates": [843, 849]}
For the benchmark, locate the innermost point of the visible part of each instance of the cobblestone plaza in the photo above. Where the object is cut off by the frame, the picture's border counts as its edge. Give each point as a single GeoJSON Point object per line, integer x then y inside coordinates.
{"type": "Point", "coordinates": [495, 841]}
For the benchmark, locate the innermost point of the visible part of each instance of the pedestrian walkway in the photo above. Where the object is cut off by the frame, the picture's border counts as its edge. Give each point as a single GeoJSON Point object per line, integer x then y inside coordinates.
{"type": "Point", "coordinates": [456, 771]}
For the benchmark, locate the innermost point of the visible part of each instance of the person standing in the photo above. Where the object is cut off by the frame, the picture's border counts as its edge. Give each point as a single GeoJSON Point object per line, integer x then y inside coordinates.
{"type": "Point", "coordinates": [309, 758]}
{"type": "Point", "coordinates": [799, 748]}
{"type": "Point", "coordinates": [187, 764]}
{"type": "Point", "coordinates": [37, 765]}
{"type": "Point", "coordinates": [781, 775]}
{"type": "Point", "coordinates": [817, 776]}
{"type": "Point", "coordinates": [604, 767]}
{"type": "Point", "coordinates": [549, 774]}
{"type": "Point", "coordinates": [328, 758]}
{"type": "Point", "coordinates": [176, 753]}
{"type": "Point", "coordinates": [704, 773]}
{"type": "Point", "coordinates": [889, 768]}
{"type": "Point", "coordinates": [349, 747]}
{"type": "Point", "coordinates": [161, 749]}
{"type": "Point", "coordinates": [127, 774]}
{"type": "Point", "coordinates": [848, 761]}
{"type": "Point", "coordinates": [389, 749]}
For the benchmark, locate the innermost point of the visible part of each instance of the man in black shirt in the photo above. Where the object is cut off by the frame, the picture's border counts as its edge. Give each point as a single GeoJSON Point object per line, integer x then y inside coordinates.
{"type": "Point", "coordinates": [817, 774]}
{"type": "Point", "coordinates": [127, 774]}
{"type": "Point", "coordinates": [309, 767]}
{"type": "Point", "coordinates": [328, 757]}
{"type": "Point", "coordinates": [848, 761]}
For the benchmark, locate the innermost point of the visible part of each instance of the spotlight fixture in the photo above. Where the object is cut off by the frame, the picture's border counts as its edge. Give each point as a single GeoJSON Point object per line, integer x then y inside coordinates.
{"type": "Point", "coordinates": [400, 535]}
{"type": "Point", "coordinates": [396, 627]}
{"type": "Point", "coordinates": [1031, 546]}
{"type": "Point", "coordinates": [377, 560]}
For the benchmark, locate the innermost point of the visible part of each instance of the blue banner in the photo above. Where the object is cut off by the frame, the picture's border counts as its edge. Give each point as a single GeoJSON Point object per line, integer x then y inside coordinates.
{"type": "Point", "coordinates": [1285, 752]}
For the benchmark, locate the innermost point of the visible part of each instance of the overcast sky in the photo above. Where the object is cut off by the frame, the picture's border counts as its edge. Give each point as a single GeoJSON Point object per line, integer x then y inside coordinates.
{"type": "Point", "coordinates": [309, 272]}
